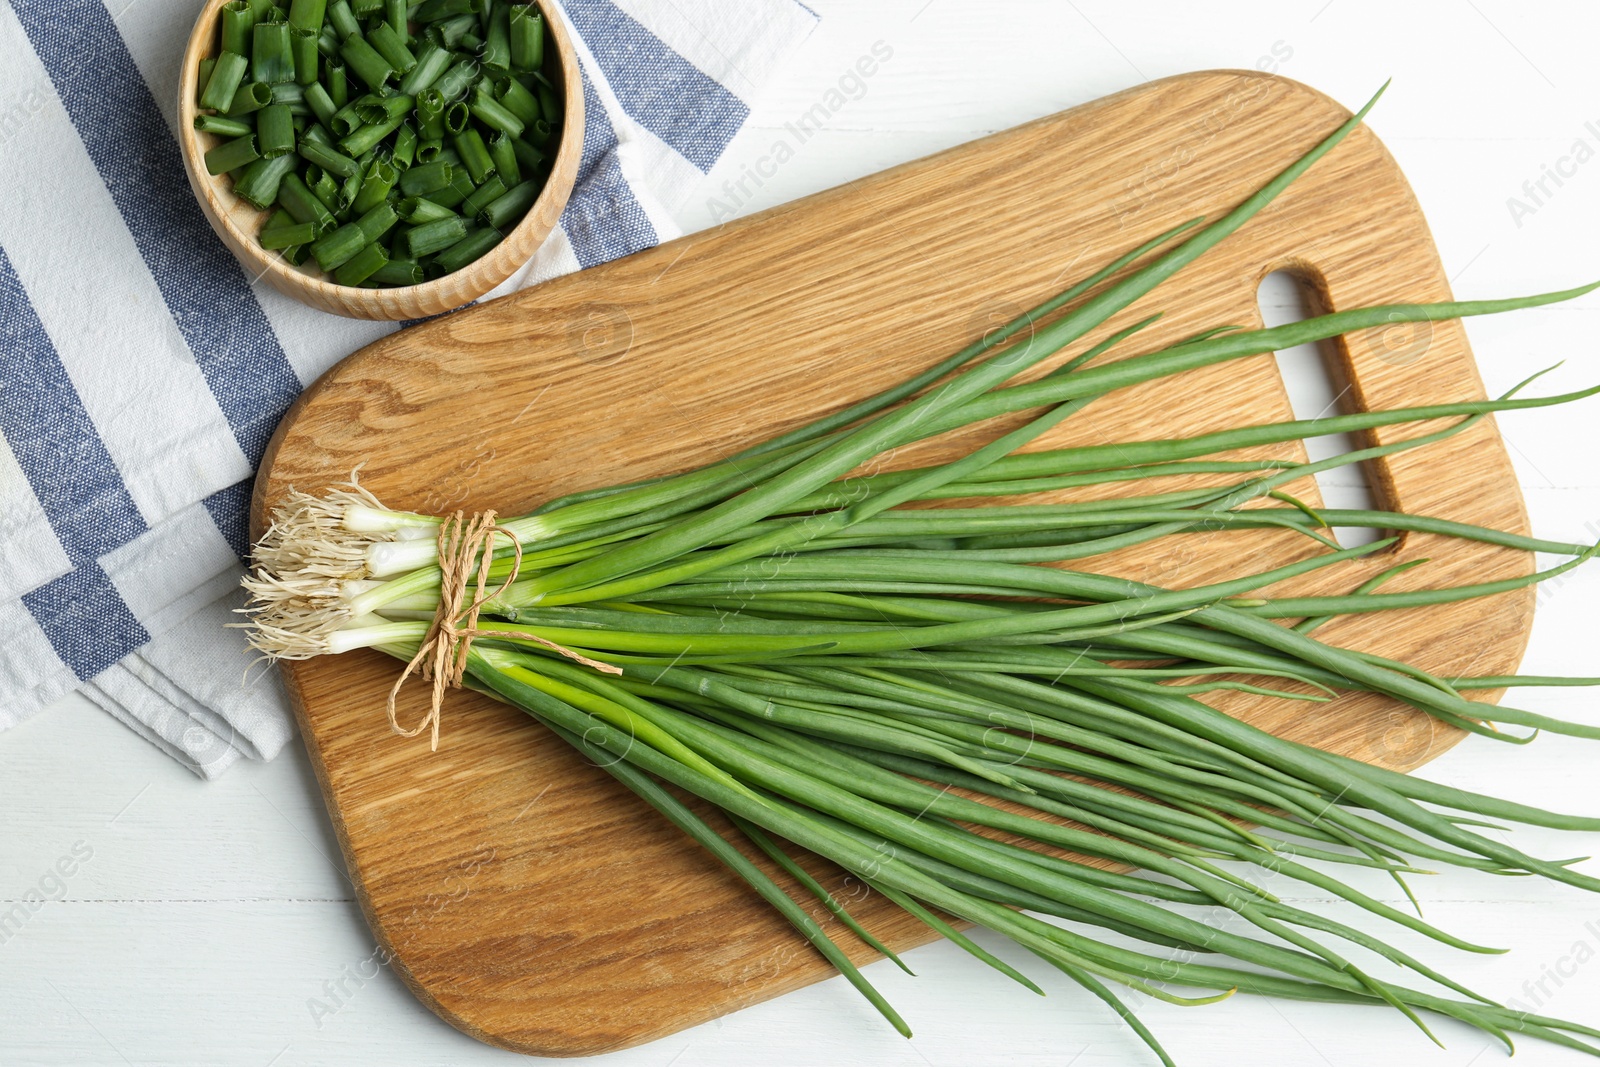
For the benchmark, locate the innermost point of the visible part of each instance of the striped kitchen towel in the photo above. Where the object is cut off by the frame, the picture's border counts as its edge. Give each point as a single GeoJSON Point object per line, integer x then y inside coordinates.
{"type": "Point", "coordinates": [141, 373]}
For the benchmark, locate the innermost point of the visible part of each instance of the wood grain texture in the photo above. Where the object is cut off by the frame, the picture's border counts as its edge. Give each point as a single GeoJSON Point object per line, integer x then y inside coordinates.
{"type": "Point", "coordinates": [529, 900]}
{"type": "Point", "coordinates": [238, 222]}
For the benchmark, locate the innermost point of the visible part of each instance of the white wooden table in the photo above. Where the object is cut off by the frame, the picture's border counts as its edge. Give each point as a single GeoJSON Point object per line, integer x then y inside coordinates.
{"type": "Point", "coordinates": [212, 923]}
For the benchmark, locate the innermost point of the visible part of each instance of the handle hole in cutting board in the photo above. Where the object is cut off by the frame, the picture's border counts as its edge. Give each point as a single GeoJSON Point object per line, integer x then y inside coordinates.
{"type": "Point", "coordinates": [1317, 386]}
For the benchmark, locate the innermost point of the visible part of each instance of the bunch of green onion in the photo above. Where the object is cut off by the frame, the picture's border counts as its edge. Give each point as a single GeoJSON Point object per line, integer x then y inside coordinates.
{"type": "Point", "coordinates": [862, 679]}
{"type": "Point", "coordinates": [399, 141]}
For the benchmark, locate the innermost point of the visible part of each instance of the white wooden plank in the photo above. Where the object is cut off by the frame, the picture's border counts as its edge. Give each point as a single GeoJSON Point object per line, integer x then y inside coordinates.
{"type": "Point", "coordinates": [239, 983]}
{"type": "Point", "coordinates": [158, 832]}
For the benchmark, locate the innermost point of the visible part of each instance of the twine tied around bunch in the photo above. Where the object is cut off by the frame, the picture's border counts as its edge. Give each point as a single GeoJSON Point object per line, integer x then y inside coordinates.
{"type": "Point", "coordinates": [442, 656]}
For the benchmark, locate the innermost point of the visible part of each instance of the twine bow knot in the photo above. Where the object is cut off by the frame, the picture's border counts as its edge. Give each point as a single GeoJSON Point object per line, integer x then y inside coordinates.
{"type": "Point", "coordinates": [466, 553]}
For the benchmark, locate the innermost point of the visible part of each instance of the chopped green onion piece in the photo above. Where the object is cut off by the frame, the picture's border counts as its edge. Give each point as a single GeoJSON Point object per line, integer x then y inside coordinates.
{"type": "Point", "coordinates": [376, 182]}
{"type": "Point", "coordinates": [349, 189]}
{"type": "Point", "coordinates": [328, 43]}
{"type": "Point", "coordinates": [449, 33]}
{"type": "Point", "coordinates": [397, 14]}
{"type": "Point", "coordinates": [388, 44]}
{"type": "Point", "coordinates": [362, 265]}
{"type": "Point", "coordinates": [346, 120]}
{"type": "Point", "coordinates": [378, 221]}
{"type": "Point", "coordinates": [417, 210]}
{"type": "Point", "coordinates": [457, 81]}
{"type": "Point", "coordinates": [430, 115]}
{"type": "Point", "coordinates": [503, 212]}
{"type": "Point", "coordinates": [378, 109]}
{"type": "Point", "coordinates": [226, 73]}
{"type": "Point", "coordinates": [231, 155]}
{"type": "Point", "coordinates": [322, 186]}
{"type": "Point", "coordinates": [317, 134]}
{"type": "Point", "coordinates": [427, 178]}
{"type": "Point", "coordinates": [303, 44]}
{"type": "Point", "coordinates": [320, 103]}
{"type": "Point", "coordinates": [538, 132]}
{"type": "Point", "coordinates": [280, 237]}
{"type": "Point", "coordinates": [307, 15]}
{"type": "Point", "coordinates": [461, 188]}
{"type": "Point", "coordinates": [329, 159]}
{"type": "Point", "coordinates": [431, 237]}
{"type": "Point", "coordinates": [338, 84]}
{"type": "Point", "coordinates": [335, 249]}
{"type": "Point", "coordinates": [208, 66]}
{"type": "Point", "coordinates": [496, 54]}
{"type": "Point", "coordinates": [343, 20]}
{"type": "Point", "coordinates": [365, 62]}
{"type": "Point", "coordinates": [487, 110]}
{"type": "Point", "coordinates": [432, 60]}
{"type": "Point", "coordinates": [238, 20]}
{"type": "Point", "coordinates": [405, 146]}
{"type": "Point", "coordinates": [527, 37]}
{"type": "Point", "coordinates": [528, 156]}
{"type": "Point", "coordinates": [271, 57]}
{"type": "Point", "coordinates": [302, 204]}
{"type": "Point", "coordinates": [549, 103]}
{"type": "Point", "coordinates": [275, 131]}
{"type": "Point", "coordinates": [222, 126]}
{"type": "Point", "coordinates": [504, 154]}
{"type": "Point", "coordinates": [467, 250]}
{"type": "Point", "coordinates": [435, 10]}
{"type": "Point", "coordinates": [398, 272]}
{"type": "Point", "coordinates": [483, 195]}
{"type": "Point", "coordinates": [474, 154]}
{"type": "Point", "coordinates": [260, 181]}
{"type": "Point", "coordinates": [251, 97]}
{"type": "Point", "coordinates": [515, 98]}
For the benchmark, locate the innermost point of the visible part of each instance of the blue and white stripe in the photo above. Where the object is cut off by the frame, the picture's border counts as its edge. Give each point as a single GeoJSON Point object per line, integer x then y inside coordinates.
{"type": "Point", "coordinates": [204, 287]}
{"type": "Point", "coordinates": [142, 372]}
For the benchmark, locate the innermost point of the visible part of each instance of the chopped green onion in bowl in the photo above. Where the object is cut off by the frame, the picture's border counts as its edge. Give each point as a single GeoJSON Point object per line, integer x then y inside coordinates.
{"type": "Point", "coordinates": [320, 113]}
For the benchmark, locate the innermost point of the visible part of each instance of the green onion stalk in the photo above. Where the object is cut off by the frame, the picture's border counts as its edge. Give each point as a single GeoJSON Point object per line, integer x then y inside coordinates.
{"type": "Point", "coordinates": [889, 687]}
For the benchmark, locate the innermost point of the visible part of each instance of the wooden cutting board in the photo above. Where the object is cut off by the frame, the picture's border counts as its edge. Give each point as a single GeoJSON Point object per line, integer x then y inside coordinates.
{"type": "Point", "coordinates": [538, 906]}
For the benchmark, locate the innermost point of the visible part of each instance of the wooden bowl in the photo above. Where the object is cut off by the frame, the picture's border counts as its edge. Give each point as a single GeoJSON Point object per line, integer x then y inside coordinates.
{"type": "Point", "coordinates": [237, 222]}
